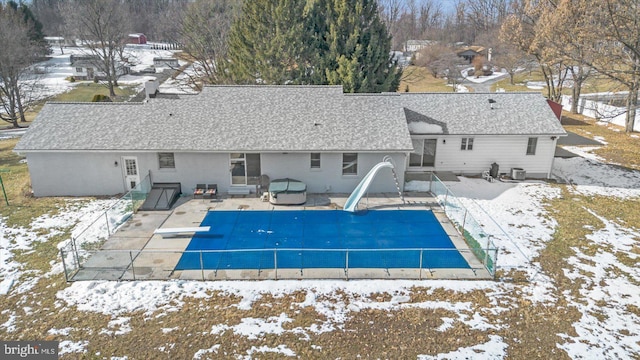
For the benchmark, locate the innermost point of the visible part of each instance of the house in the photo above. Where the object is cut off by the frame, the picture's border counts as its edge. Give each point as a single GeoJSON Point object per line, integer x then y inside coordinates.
{"type": "Point", "coordinates": [137, 38]}
{"type": "Point", "coordinates": [232, 135]}
{"type": "Point", "coordinates": [417, 45]}
{"type": "Point", "coordinates": [166, 62]}
{"type": "Point", "coordinates": [470, 52]}
{"type": "Point", "coordinates": [89, 67]}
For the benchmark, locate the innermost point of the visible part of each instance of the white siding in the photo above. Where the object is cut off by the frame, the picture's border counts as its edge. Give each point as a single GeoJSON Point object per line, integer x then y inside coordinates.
{"type": "Point", "coordinates": [82, 174]}
{"type": "Point", "coordinates": [506, 151]}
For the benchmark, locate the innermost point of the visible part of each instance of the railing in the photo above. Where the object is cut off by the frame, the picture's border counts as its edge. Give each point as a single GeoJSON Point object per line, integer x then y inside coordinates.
{"type": "Point", "coordinates": [92, 237]}
{"type": "Point", "coordinates": [277, 263]}
{"type": "Point", "coordinates": [479, 242]}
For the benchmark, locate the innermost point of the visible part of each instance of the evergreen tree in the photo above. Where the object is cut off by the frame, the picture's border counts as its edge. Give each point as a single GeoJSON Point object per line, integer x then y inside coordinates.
{"type": "Point", "coordinates": [358, 43]}
{"type": "Point", "coordinates": [266, 43]}
{"type": "Point", "coordinates": [336, 42]}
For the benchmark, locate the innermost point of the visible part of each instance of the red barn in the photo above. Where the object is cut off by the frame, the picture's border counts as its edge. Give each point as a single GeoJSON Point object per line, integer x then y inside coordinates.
{"type": "Point", "coordinates": [137, 38]}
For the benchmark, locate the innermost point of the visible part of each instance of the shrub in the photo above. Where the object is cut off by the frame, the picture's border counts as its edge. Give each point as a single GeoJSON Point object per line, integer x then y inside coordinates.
{"type": "Point", "coordinates": [71, 79]}
{"type": "Point", "coordinates": [100, 98]}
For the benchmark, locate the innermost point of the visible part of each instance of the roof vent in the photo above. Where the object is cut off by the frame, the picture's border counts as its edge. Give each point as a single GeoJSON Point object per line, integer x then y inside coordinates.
{"type": "Point", "coordinates": [491, 102]}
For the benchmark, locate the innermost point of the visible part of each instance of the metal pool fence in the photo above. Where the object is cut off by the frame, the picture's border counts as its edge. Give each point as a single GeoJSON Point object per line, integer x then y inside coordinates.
{"type": "Point", "coordinates": [276, 263]}
{"type": "Point", "coordinates": [479, 242]}
{"type": "Point", "coordinates": [87, 241]}
{"type": "Point", "coordinates": [83, 258]}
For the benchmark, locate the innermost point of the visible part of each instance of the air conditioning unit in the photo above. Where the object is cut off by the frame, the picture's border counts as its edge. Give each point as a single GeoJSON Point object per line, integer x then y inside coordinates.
{"type": "Point", "coordinates": [518, 174]}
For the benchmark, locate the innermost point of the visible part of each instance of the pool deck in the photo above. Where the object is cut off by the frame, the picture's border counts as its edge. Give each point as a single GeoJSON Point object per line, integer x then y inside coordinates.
{"type": "Point", "coordinates": [155, 257]}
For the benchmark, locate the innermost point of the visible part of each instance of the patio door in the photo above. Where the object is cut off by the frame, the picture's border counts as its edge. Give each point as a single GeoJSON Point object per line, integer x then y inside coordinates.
{"type": "Point", "coordinates": [130, 171]}
{"type": "Point", "coordinates": [245, 168]}
{"type": "Point", "coordinates": [424, 153]}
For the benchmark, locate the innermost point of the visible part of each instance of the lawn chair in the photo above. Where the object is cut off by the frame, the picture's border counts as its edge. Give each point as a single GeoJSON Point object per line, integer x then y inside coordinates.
{"type": "Point", "coordinates": [212, 191]}
{"type": "Point", "coordinates": [199, 191]}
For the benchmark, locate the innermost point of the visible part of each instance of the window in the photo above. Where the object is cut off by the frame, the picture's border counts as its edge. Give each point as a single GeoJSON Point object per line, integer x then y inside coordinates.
{"type": "Point", "coordinates": [467, 144]}
{"type": "Point", "coordinates": [349, 164]}
{"type": "Point", "coordinates": [315, 160]}
{"type": "Point", "coordinates": [166, 161]}
{"type": "Point", "coordinates": [531, 146]}
{"type": "Point", "coordinates": [79, 69]}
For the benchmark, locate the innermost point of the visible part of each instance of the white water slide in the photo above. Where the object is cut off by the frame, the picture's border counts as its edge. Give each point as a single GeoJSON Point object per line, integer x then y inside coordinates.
{"type": "Point", "coordinates": [352, 201]}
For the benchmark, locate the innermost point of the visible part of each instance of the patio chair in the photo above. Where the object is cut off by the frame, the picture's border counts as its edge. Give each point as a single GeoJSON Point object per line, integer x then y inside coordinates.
{"type": "Point", "coordinates": [212, 191]}
{"type": "Point", "coordinates": [199, 190]}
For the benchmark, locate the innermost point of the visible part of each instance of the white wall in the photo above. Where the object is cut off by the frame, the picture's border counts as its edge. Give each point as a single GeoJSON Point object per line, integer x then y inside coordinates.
{"type": "Point", "coordinates": [82, 174]}
{"type": "Point", "coordinates": [329, 177]}
{"type": "Point", "coordinates": [507, 151]}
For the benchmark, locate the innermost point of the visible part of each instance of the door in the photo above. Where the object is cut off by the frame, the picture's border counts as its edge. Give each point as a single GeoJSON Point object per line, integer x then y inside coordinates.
{"type": "Point", "coordinates": [424, 154]}
{"type": "Point", "coordinates": [130, 171]}
{"type": "Point", "coordinates": [245, 169]}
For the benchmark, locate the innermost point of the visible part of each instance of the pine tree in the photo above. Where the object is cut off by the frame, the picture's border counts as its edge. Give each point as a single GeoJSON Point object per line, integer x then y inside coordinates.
{"type": "Point", "coordinates": [358, 43]}
{"type": "Point", "coordinates": [336, 42]}
{"type": "Point", "coordinates": [266, 44]}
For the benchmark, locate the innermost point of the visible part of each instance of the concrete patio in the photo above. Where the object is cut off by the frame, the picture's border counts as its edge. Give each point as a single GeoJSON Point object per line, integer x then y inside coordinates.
{"type": "Point", "coordinates": [155, 257]}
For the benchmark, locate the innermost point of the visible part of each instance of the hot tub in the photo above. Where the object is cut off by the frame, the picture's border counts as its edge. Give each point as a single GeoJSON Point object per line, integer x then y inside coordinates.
{"type": "Point", "coordinates": [287, 192]}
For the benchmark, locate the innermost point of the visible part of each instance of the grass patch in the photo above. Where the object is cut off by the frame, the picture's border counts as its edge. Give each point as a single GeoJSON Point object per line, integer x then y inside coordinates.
{"type": "Point", "coordinates": [622, 148]}
{"type": "Point", "coordinates": [418, 79]}
{"type": "Point", "coordinates": [85, 91]}
{"type": "Point", "coordinates": [519, 82]}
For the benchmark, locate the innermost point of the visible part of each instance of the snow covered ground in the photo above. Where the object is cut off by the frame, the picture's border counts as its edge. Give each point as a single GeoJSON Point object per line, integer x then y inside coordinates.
{"type": "Point", "coordinates": [513, 213]}
{"type": "Point", "coordinates": [53, 73]}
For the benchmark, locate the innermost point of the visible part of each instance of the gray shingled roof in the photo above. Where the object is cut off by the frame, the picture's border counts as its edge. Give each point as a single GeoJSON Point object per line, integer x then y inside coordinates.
{"type": "Point", "coordinates": [224, 119]}
{"type": "Point", "coordinates": [281, 118]}
{"type": "Point", "coordinates": [471, 113]}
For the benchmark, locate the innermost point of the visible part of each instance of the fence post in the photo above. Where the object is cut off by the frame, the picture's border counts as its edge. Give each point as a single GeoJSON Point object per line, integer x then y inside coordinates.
{"type": "Point", "coordinates": [464, 219]}
{"type": "Point", "coordinates": [420, 277]}
{"type": "Point", "coordinates": [446, 195]}
{"type": "Point", "coordinates": [64, 266]}
{"type": "Point", "coordinates": [201, 266]}
{"type": "Point", "coordinates": [74, 249]}
{"type": "Point", "coordinates": [106, 217]}
{"type": "Point", "coordinates": [133, 270]}
{"type": "Point", "coordinates": [275, 263]}
{"type": "Point", "coordinates": [431, 183]}
{"type": "Point", "coordinates": [346, 265]}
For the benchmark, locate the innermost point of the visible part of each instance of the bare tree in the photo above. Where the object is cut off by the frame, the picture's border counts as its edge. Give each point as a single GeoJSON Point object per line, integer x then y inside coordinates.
{"type": "Point", "coordinates": [614, 28]}
{"type": "Point", "coordinates": [103, 27]}
{"type": "Point", "coordinates": [440, 61]}
{"type": "Point", "coordinates": [19, 51]}
{"type": "Point", "coordinates": [524, 28]}
{"type": "Point", "coordinates": [204, 28]}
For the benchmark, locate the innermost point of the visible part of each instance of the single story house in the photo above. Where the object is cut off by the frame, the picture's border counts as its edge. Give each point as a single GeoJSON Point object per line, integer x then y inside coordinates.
{"type": "Point", "coordinates": [89, 67]}
{"type": "Point", "coordinates": [417, 45]}
{"type": "Point", "coordinates": [233, 135]}
{"type": "Point", "coordinates": [470, 52]}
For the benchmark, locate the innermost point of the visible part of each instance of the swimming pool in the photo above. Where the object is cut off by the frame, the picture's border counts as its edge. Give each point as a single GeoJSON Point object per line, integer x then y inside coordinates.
{"type": "Point", "coordinates": [303, 239]}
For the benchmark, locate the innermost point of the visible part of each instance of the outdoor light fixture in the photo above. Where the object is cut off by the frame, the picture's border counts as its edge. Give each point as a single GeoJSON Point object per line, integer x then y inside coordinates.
{"type": "Point", "coordinates": [444, 141]}
{"type": "Point", "coordinates": [554, 137]}
{"type": "Point", "coordinates": [115, 163]}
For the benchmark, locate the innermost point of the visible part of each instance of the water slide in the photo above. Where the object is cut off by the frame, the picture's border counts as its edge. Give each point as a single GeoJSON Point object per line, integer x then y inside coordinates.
{"type": "Point", "coordinates": [352, 201]}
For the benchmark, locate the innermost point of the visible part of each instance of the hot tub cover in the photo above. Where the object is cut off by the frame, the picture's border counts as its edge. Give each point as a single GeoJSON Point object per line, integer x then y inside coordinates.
{"type": "Point", "coordinates": [288, 186]}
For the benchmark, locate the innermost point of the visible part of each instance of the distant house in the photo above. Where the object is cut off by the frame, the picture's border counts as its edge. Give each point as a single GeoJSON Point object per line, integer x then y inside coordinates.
{"type": "Point", "coordinates": [166, 62]}
{"type": "Point", "coordinates": [137, 38]}
{"type": "Point", "coordinates": [233, 135]}
{"type": "Point", "coordinates": [470, 52]}
{"type": "Point", "coordinates": [417, 45]}
{"type": "Point", "coordinates": [89, 67]}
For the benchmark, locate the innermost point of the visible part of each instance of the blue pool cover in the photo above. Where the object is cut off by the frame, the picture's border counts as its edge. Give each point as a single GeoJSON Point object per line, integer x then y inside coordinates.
{"type": "Point", "coordinates": [299, 239]}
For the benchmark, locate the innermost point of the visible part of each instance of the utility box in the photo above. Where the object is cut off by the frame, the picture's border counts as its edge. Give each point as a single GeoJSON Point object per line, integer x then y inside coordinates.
{"type": "Point", "coordinates": [518, 174]}
{"type": "Point", "coordinates": [494, 172]}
